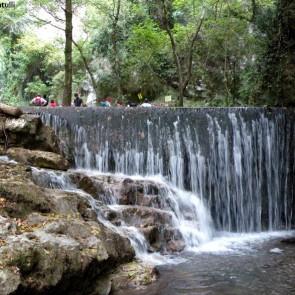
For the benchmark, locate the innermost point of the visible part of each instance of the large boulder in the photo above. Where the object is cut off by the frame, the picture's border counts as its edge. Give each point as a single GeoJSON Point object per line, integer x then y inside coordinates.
{"type": "Point", "coordinates": [46, 140]}
{"type": "Point", "coordinates": [131, 275]}
{"type": "Point", "coordinates": [39, 159]}
{"type": "Point", "coordinates": [20, 196]}
{"type": "Point", "coordinates": [154, 224]}
{"type": "Point", "coordinates": [71, 203]}
{"type": "Point", "coordinates": [28, 124]}
{"type": "Point", "coordinates": [10, 110]}
{"type": "Point", "coordinates": [50, 240]}
{"type": "Point", "coordinates": [27, 131]}
{"type": "Point", "coordinates": [62, 254]}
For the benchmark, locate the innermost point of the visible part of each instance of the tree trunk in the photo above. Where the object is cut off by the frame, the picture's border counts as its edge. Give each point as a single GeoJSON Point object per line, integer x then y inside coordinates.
{"type": "Point", "coordinates": [184, 72]}
{"type": "Point", "coordinates": [67, 98]}
{"type": "Point", "coordinates": [117, 70]}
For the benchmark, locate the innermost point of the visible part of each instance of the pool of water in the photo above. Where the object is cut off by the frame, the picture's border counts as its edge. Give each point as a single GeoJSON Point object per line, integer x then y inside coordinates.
{"type": "Point", "coordinates": [233, 265]}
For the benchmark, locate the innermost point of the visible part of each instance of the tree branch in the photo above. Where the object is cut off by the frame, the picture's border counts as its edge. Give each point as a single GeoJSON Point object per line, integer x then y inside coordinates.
{"type": "Point", "coordinates": [46, 22]}
{"type": "Point", "coordinates": [191, 51]}
{"type": "Point", "coordinates": [173, 42]}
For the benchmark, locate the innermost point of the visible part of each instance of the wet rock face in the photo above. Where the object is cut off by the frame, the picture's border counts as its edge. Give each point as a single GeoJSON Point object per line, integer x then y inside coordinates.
{"type": "Point", "coordinates": [25, 139]}
{"type": "Point", "coordinates": [138, 203]}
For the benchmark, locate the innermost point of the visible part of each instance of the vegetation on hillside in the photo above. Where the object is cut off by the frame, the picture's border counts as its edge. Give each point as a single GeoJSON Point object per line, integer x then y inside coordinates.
{"type": "Point", "coordinates": [199, 52]}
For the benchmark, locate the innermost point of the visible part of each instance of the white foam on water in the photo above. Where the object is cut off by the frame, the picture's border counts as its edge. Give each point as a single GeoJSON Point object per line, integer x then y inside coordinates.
{"type": "Point", "coordinates": [276, 251]}
{"type": "Point", "coordinates": [237, 243]}
{"type": "Point", "coordinates": [52, 179]}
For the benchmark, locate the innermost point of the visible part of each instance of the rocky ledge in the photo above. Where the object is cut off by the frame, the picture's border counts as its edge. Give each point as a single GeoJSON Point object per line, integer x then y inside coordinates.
{"type": "Point", "coordinates": [143, 204]}
{"type": "Point", "coordinates": [51, 241]}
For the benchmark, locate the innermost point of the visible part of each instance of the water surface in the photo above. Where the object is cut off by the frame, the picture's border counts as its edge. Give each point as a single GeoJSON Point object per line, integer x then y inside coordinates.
{"type": "Point", "coordinates": [240, 268]}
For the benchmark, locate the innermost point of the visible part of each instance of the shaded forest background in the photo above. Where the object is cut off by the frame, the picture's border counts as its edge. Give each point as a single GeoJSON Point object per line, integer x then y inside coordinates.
{"type": "Point", "coordinates": [201, 53]}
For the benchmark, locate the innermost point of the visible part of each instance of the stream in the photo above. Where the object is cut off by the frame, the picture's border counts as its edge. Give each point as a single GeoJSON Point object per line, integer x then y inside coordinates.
{"type": "Point", "coordinates": [232, 266]}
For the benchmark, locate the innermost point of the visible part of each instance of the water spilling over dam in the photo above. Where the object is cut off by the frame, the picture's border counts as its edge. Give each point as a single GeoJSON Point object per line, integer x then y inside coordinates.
{"type": "Point", "coordinates": [240, 162]}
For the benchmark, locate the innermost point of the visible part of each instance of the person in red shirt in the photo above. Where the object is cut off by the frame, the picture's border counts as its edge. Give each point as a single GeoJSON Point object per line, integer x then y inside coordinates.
{"type": "Point", "coordinates": [53, 103]}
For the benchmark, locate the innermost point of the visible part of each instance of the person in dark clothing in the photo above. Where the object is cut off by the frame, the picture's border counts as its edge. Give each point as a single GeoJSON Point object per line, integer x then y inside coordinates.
{"type": "Point", "coordinates": [45, 97]}
{"type": "Point", "coordinates": [77, 101]}
{"type": "Point", "coordinates": [131, 104]}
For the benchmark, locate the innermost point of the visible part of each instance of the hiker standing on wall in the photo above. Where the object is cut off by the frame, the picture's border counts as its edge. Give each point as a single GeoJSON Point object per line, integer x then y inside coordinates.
{"type": "Point", "coordinates": [77, 101]}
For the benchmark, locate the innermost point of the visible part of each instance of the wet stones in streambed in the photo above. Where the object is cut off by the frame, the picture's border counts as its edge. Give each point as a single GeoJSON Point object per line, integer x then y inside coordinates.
{"type": "Point", "coordinates": [140, 216]}
{"type": "Point", "coordinates": [163, 239]}
{"type": "Point", "coordinates": [156, 226]}
{"type": "Point", "coordinates": [115, 189]}
{"type": "Point", "coordinates": [94, 186]}
{"type": "Point", "coordinates": [130, 275]}
{"type": "Point", "coordinates": [135, 203]}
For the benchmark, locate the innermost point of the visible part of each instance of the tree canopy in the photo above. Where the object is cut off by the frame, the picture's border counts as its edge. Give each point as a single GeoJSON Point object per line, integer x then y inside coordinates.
{"type": "Point", "coordinates": [199, 52]}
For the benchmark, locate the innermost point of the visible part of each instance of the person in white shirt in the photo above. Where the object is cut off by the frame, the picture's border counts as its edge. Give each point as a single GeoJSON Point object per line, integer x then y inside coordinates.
{"type": "Point", "coordinates": [39, 101]}
{"type": "Point", "coordinates": [146, 104]}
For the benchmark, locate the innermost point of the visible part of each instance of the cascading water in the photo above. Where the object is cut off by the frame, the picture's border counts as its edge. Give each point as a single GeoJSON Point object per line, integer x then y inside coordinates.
{"type": "Point", "coordinates": [240, 162]}
{"type": "Point", "coordinates": [188, 214]}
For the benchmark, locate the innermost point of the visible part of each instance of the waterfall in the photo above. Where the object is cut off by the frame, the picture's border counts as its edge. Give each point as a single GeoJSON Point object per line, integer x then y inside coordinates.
{"type": "Point", "coordinates": [240, 162]}
{"type": "Point", "coordinates": [189, 216]}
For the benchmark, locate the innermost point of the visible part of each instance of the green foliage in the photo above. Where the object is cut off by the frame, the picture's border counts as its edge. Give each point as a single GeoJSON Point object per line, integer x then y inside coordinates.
{"type": "Point", "coordinates": [36, 87]}
{"type": "Point", "coordinates": [146, 58]}
{"type": "Point", "coordinates": [131, 52]}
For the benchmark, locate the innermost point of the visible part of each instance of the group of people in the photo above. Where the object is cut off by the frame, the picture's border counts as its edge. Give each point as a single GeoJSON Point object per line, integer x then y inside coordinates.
{"type": "Point", "coordinates": [40, 101]}
{"type": "Point", "coordinates": [107, 103]}
{"type": "Point", "coordinates": [78, 102]}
